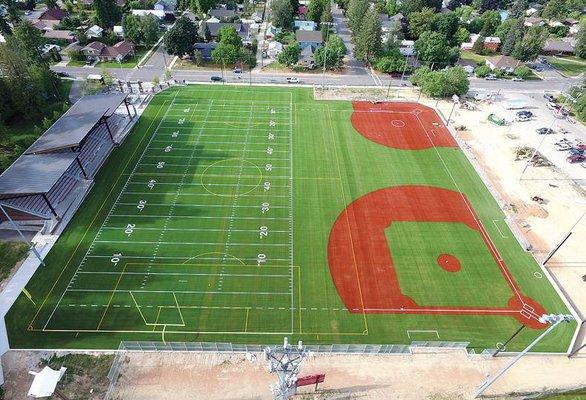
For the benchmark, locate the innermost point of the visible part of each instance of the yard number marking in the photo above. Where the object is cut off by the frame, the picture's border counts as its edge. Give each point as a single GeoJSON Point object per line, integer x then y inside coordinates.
{"type": "Point", "coordinates": [181, 121]}
{"type": "Point", "coordinates": [266, 186]}
{"type": "Point", "coordinates": [151, 184]}
{"type": "Point", "coordinates": [271, 123]}
{"type": "Point", "coordinates": [141, 204]}
{"type": "Point", "coordinates": [168, 149]}
{"type": "Point", "coordinates": [271, 136]}
{"type": "Point", "coordinates": [175, 134]}
{"type": "Point", "coordinates": [264, 207]}
{"type": "Point", "coordinates": [160, 164]}
{"type": "Point", "coordinates": [129, 229]}
{"type": "Point", "coordinates": [261, 259]}
{"type": "Point", "coordinates": [269, 150]}
{"type": "Point", "coordinates": [272, 110]}
{"type": "Point", "coordinates": [263, 231]}
{"type": "Point", "coordinates": [186, 110]}
{"type": "Point", "coordinates": [116, 258]}
{"type": "Point", "coordinates": [268, 167]}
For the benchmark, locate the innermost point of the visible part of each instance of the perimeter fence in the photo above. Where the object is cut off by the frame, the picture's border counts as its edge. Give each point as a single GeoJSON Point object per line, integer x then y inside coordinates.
{"type": "Point", "coordinates": [126, 347]}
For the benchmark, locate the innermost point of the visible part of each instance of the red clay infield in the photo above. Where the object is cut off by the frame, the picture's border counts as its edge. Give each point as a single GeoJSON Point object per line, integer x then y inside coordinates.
{"type": "Point", "coordinates": [449, 262]}
{"type": "Point", "coordinates": [407, 126]}
{"type": "Point", "coordinates": [361, 263]}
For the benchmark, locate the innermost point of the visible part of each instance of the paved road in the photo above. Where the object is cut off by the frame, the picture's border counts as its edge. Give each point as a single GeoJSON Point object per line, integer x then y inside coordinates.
{"type": "Point", "coordinates": [353, 66]}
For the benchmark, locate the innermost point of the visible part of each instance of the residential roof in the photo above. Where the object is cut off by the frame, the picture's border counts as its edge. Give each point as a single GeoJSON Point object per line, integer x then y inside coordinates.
{"type": "Point", "coordinates": [492, 39]}
{"type": "Point", "coordinates": [309, 36]}
{"type": "Point", "coordinates": [34, 174]}
{"type": "Point", "coordinates": [59, 34]}
{"type": "Point", "coordinates": [99, 46]}
{"type": "Point", "coordinates": [73, 126]}
{"type": "Point", "coordinates": [205, 48]}
{"type": "Point", "coordinates": [75, 46]}
{"type": "Point", "coordinates": [221, 12]}
{"type": "Point", "coordinates": [503, 62]}
{"type": "Point", "coordinates": [95, 29]}
{"type": "Point", "coordinates": [54, 14]}
{"type": "Point", "coordinates": [241, 29]}
{"type": "Point", "coordinates": [157, 13]}
{"type": "Point", "coordinates": [558, 46]}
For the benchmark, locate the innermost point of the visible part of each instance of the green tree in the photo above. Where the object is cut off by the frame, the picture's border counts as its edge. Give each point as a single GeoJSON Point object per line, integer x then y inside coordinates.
{"type": "Point", "coordinates": [28, 40]}
{"type": "Point", "coordinates": [518, 8]}
{"type": "Point", "coordinates": [580, 48]}
{"type": "Point", "coordinates": [530, 46]}
{"type": "Point", "coordinates": [51, 3]}
{"type": "Point", "coordinates": [523, 72]}
{"type": "Point", "coordinates": [131, 25]}
{"type": "Point", "coordinates": [69, 6]}
{"type": "Point", "coordinates": [433, 47]}
{"type": "Point", "coordinates": [482, 71]}
{"type": "Point", "coordinates": [150, 30]}
{"type": "Point", "coordinates": [228, 35]}
{"type": "Point", "coordinates": [334, 55]}
{"type": "Point", "coordinates": [391, 7]}
{"type": "Point", "coordinates": [326, 16]}
{"type": "Point", "coordinates": [420, 22]}
{"type": "Point", "coordinates": [514, 35]}
{"type": "Point", "coordinates": [369, 42]}
{"type": "Point", "coordinates": [181, 37]}
{"type": "Point", "coordinates": [462, 35]}
{"type": "Point", "coordinates": [444, 83]}
{"type": "Point", "coordinates": [107, 13]}
{"type": "Point", "coordinates": [282, 16]}
{"type": "Point", "coordinates": [290, 55]}
{"type": "Point", "coordinates": [202, 6]}
{"type": "Point", "coordinates": [446, 24]}
{"type": "Point", "coordinates": [316, 9]}
{"type": "Point", "coordinates": [407, 7]}
{"type": "Point", "coordinates": [356, 11]}
{"type": "Point", "coordinates": [555, 10]}
{"type": "Point", "coordinates": [391, 62]}
{"type": "Point", "coordinates": [225, 53]}
{"type": "Point", "coordinates": [490, 22]}
{"type": "Point", "coordinates": [204, 32]}
{"type": "Point", "coordinates": [478, 46]}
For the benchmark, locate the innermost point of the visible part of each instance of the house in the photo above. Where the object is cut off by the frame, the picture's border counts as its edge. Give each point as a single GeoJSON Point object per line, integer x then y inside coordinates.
{"type": "Point", "coordinates": [531, 11]}
{"type": "Point", "coordinates": [205, 49]}
{"type": "Point", "coordinates": [94, 31]}
{"type": "Point", "coordinates": [49, 18]}
{"type": "Point", "coordinates": [159, 14]}
{"type": "Point", "coordinates": [57, 34]}
{"type": "Point", "coordinates": [271, 32]}
{"type": "Point", "coordinates": [305, 25]}
{"type": "Point", "coordinates": [534, 21]}
{"type": "Point", "coordinates": [168, 6]}
{"type": "Point", "coordinates": [257, 17]}
{"type": "Point", "coordinates": [89, 3]}
{"type": "Point", "coordinates": [2, 38]}
{"type": "Point", "coordinates": [74, 47]}
{"type": "Point", "coordinates": [99, 51]}
{"type": "Point", "coordinates": [190, 15]}
{"type": "Point", "coordinates": [222, 13]}
{"type": "Point", "coordinates": [118, 30]}
{"type": "Point", "coordinates": [307, 58]}
{"type": "Point", "coordinates": [306, 39]}
{"type": "Point", "coordinates": [492, 43]}
{"type": "Point", "coordinates": [559, 47]}
{"type": "Point", "coordinates": [505, 63]}
{"type": "Point", "coordinates": [407, 48]}
{"type": "Point", "coordinates": [243, 30]}
{"type": "Point", "coordinates": [274, 49]}
{"type": "Point", "coordinates": [213, 20]}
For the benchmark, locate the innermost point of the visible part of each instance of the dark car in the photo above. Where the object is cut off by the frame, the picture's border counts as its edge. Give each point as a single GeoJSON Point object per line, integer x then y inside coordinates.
{"type": "Point", "coordinates": [545, 131]}
{"type": "Point", "coordinates": [217, 79]}
{"type": "Point", "coordinates": [549, 97]}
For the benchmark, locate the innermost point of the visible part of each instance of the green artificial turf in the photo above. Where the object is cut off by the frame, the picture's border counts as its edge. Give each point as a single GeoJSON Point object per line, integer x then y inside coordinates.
{"type": "Point", "coordinates": [164, 249]}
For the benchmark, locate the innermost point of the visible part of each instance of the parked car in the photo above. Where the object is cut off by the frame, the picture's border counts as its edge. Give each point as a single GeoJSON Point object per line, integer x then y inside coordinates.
{"type": "Point", "coordinates": [576, 158]}
{"type": "Point", "coordinates": [574, 150]}
{"type": "Point", "coordinates": [517, 79]}
{"type": "Point", "coordinates": [237, 70]}
{"type": "Point", "coordinates": [217, 79]}
{"type": "Point", "coordinates": [491, 77]}
{"type": "Point", "coordinates": [545, 131]}
{"type": "Point", "coordinates": [523, 116]}
{"type": "Point", "coordinates": [291, 79]}
{"type": "Point", "coordinates": [549, 97]}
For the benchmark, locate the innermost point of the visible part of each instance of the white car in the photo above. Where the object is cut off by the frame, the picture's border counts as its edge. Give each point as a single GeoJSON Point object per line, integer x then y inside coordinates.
{"type": "Point", "coordinates": [292, 80]}
{"type": "Point", "coordinates": [491, 78]}
{"type": "Point", "coordinates": [517, 79]}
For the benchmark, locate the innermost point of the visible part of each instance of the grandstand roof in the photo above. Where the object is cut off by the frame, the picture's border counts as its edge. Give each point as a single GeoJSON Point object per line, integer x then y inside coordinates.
{"type": "Point", "coordinates": [34, 174]}
{"type": "Point", "coordinates": [73, 126]}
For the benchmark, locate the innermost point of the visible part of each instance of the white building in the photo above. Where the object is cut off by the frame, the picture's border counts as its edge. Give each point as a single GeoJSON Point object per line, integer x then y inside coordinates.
{"type": "Point", "coordinates": [94, 32]}
{"type": "Point", "coordinates": [407, 48]}
{"type": "Point", "coordinates": [274, 49]}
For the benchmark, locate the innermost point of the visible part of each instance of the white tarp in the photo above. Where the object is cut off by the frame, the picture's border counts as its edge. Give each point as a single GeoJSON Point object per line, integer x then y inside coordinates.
{"type": "Point", "coordinates": [45, 382]}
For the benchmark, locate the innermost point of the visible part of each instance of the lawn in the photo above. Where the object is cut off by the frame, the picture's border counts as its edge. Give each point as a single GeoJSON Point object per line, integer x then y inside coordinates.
{"type": "Point", "coordinates": [222, 218]}
{"type": "Point", "coordinates": [12, 252]}
{"type": "Point", "coordinates": [571, 66]}
{"type": "Point", "coordinates": [20, 132]}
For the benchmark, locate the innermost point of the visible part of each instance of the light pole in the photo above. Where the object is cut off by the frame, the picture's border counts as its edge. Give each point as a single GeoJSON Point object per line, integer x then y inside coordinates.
{"type": "Point", "coordinates": [552, 319]}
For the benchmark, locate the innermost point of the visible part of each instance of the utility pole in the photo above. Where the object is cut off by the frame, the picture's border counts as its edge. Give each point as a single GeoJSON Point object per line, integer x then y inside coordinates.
{"type": "Point", "coordinates": [552, 319]}
{"type": "Point", "coordinates": [327, 24]}
{"type": "Point", "coordinates": [286, 361]}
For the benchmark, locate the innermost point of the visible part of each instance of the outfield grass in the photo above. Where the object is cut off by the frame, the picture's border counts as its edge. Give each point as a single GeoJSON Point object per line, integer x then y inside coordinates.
{"type": "Point", "coordinates": [219, 232]}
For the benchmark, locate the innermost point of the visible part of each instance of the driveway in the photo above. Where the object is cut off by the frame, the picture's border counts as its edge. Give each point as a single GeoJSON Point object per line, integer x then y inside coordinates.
{"type": "Point", "coordinates": [353, 66]}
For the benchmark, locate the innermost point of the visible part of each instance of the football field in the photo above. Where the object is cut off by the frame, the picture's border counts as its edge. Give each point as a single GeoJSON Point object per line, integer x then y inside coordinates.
{"type": "Point", "coordinates": [235, 214]}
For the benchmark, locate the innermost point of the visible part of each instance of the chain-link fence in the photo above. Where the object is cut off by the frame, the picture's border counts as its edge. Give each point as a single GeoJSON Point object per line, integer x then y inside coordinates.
{"type": "Point", "coordinates": [233, 348]}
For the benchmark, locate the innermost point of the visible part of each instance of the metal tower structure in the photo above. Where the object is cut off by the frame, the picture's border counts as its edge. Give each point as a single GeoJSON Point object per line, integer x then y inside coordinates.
{"type": "Point", "coordinates": [286, 361]}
